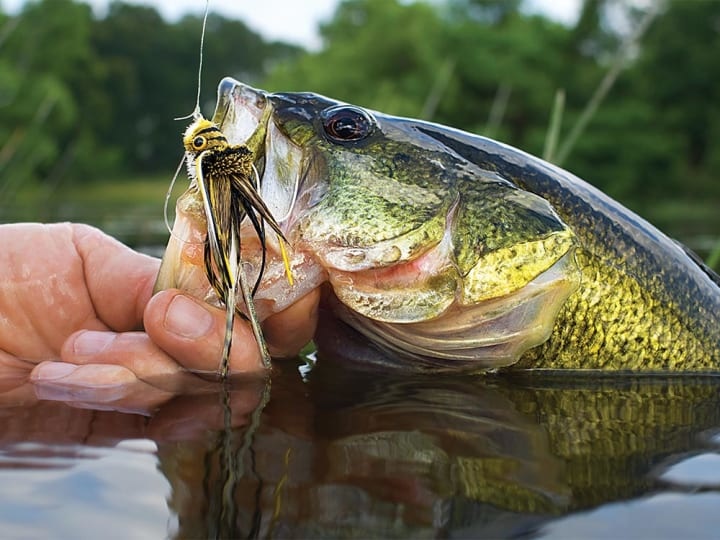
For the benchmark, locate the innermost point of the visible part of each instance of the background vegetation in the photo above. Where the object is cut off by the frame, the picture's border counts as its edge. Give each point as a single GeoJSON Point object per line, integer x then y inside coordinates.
{"type": "Point", "coordinates": [87, 102]}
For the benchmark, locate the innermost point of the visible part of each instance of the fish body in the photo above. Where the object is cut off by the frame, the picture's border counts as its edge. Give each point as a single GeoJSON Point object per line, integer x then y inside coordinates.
{"type": "Point", "coordinates": [451, 250]}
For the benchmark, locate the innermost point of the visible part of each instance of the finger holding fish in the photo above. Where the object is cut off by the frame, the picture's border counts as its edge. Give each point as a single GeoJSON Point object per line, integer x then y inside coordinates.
{"type": "Point", "coordinates": [192, 333]}
{"type": "Point", "coordinates": [181, 334]}
{"type": "Point", "coordinates": [172, 320]}
{"type": "Point", "coordinates": [189, 333]}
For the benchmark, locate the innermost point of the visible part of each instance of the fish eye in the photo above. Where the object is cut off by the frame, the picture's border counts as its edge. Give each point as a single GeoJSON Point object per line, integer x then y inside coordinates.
{"type": "Point", "coordinates": [346, 124]}
{"type": "Point", "coordinates": [198, 142]}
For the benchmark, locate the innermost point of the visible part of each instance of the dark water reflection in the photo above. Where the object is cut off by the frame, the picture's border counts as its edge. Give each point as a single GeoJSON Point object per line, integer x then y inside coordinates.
{"type": "Point", "coordinates": [359, 454]}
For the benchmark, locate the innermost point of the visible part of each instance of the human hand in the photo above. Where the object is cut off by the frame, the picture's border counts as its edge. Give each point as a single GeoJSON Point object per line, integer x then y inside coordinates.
{"type": "Point", "coordinates": [74, 302]}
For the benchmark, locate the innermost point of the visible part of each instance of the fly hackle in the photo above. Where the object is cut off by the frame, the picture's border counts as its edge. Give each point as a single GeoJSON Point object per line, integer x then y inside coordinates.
{"type": "Point", "coordinates": [225, 178]}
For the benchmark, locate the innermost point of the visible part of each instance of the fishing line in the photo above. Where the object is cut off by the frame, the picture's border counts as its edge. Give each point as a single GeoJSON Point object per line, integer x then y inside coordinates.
{"type": "Point", "coordinates": [168, 196]}
{"type": "Point", "coordinates": [196, 112]}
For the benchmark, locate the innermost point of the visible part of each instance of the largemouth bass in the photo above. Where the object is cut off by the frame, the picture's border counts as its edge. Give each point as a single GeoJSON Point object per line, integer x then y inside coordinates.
{"type": "Point", "coordinates": [450, 250]}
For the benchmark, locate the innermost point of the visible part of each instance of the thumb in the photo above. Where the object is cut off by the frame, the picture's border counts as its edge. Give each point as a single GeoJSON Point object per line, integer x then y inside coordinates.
{"type": "Point", "coordinates": [192, 331]}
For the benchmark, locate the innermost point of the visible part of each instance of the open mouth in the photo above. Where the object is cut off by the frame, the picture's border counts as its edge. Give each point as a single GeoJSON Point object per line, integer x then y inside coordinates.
{"type": "Point", "coordinates": [244, 116]}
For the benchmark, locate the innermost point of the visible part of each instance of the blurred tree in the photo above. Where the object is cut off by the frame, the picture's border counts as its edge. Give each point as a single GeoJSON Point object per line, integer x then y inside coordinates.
{"type": "Point", "coordinates": [88, 99]}
{"type": "Point", "coordinates": [152, 76]}
{"type": "Point", "coordinates": [47, 67]}
{"type": "Point", "coordinates": [382, 54]}
{"type": "Point", "coordinates": [149, 81]}
{"type": "Point", "coordinates": [678, 74]}
{"type": "Point", "coordinates": [653, 136]}
{"type": "Point", "coordinates": [491, 12]}
{"type": "Point", "coordinates": [507, 76]}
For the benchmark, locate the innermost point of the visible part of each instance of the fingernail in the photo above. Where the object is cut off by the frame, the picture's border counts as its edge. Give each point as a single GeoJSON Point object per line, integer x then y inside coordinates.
{"type": "Point", "coordinates": [53, 370]}
{"type": "Point", "coordinates": [186, 318]}
{"type": "Point", "coordinates": [92, 342]}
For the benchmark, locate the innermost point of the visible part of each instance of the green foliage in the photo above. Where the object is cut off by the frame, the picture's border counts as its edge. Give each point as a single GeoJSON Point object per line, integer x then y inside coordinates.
{"type": "Point", "coordinates": [378, 53]}
{"type": "Point", "coordinates": [39, 107]}
{"type": "Point", "coordinates": [87, 98]}
{"type": "Point", "coordinates": [150, 74]}
{"type": "Point", "coordinates": [679, 75]}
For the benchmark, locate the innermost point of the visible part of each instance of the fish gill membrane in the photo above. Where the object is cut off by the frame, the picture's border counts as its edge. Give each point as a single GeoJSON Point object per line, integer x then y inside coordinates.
{"type": "Point", "coordinates": [449, 250]}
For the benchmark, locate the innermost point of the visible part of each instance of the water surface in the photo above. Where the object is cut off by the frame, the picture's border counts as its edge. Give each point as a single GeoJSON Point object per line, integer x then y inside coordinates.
{"type": "Point", "coordinates": [341, 452]}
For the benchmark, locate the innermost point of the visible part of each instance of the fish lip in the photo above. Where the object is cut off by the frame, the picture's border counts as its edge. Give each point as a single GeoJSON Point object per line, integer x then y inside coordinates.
{"type": "Point", "coordinates": [239, 110]}
{"type": "Point", "coordinates": [245, 116]}
{"type": "Point", "coordinates": [239, 113]}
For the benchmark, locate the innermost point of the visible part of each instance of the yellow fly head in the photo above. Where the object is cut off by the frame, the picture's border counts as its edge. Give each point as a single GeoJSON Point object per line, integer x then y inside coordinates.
{"type": "Point", "coordinates": [203, 135]}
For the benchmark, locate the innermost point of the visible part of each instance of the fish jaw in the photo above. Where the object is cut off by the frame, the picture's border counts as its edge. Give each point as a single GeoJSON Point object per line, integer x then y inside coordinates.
{"type": "Point", "coordinates": [477, 337]}
{"type": "Point", "coordinates": [426, 310]}
{"type": "Point", "coordinates": [242, 113]}
{"type": "Point", "coordinates": [183, 264]}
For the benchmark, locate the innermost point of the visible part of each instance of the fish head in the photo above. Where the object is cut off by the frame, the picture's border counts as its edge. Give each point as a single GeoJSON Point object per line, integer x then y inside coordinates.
{"type": "Point", "coordinates": [427, 253]}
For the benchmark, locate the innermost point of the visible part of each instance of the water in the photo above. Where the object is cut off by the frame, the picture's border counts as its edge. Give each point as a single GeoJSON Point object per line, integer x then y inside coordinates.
{"type": "Point", "coordinates": [339, 452]}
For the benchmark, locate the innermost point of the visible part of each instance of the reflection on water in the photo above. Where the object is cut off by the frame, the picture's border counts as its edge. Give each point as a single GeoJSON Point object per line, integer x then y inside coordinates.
{"type": "Point", "coordinates": [59, 490]}
{"type": "Point", "coordinates": [360, 454]}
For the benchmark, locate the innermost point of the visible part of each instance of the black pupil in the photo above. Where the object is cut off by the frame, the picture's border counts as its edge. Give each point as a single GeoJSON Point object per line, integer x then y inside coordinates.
{"type": "Point", "coordinates": [198, 142]}
{"type": "Point", "coordinates": [346, 124]}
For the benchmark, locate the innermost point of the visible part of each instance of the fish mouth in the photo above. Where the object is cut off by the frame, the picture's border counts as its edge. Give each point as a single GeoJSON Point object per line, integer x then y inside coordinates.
{"type": "Point", "coordinates": [243, 115]}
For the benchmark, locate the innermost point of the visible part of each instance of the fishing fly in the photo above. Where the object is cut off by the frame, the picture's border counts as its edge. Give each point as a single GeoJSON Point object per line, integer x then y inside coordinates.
{"type": "Point", "coordinates": [228, 182]}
